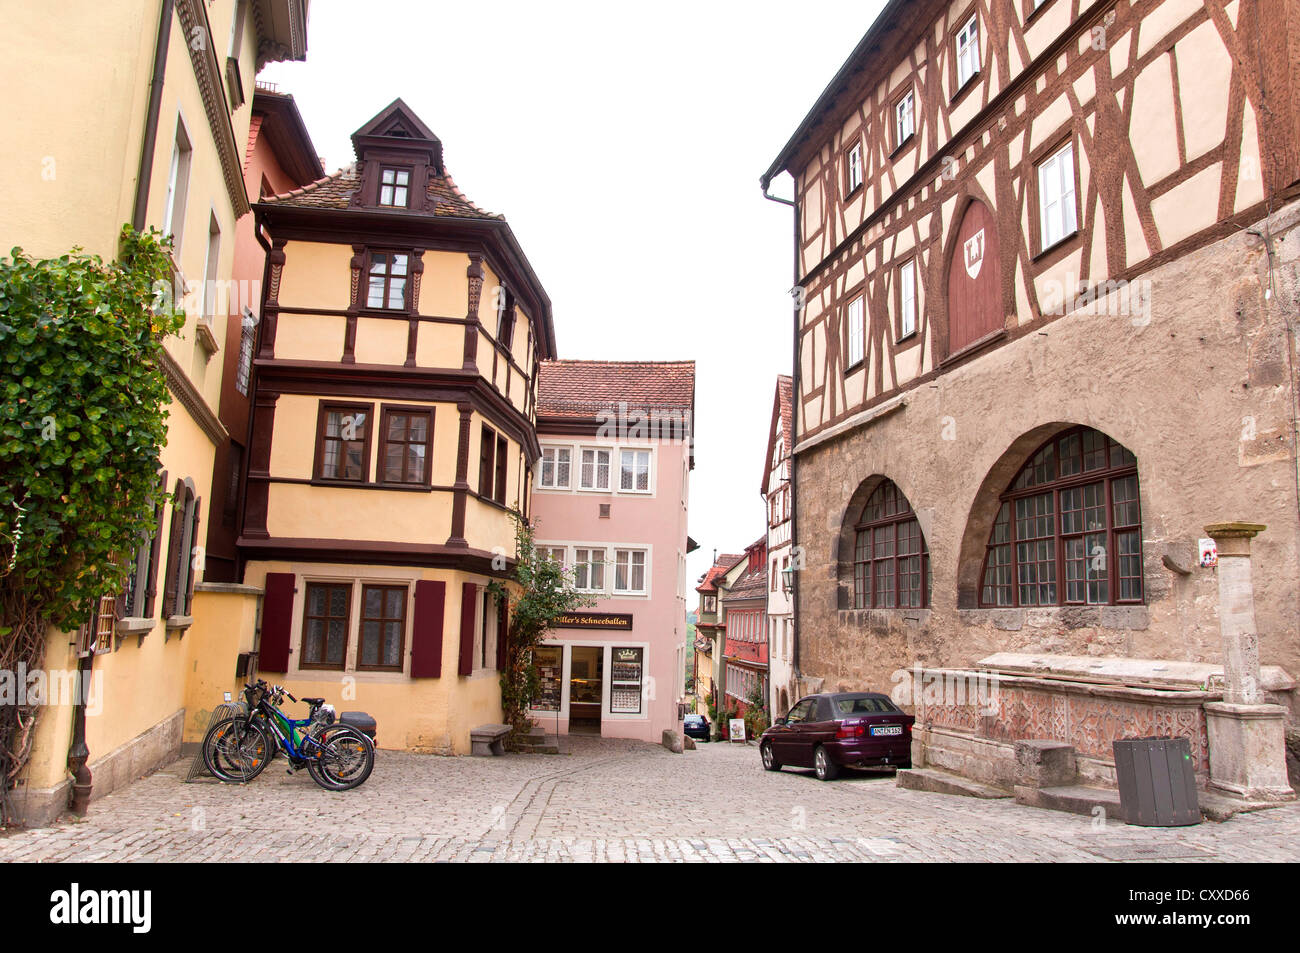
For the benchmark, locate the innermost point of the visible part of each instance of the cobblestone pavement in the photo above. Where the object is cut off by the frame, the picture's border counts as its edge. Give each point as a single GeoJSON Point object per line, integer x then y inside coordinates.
{"type": "Point", "coordinates": [609, 800]}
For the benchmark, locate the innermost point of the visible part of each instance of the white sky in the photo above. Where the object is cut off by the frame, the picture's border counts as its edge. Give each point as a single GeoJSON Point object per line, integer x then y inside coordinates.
{"type": "Point", "coordinates": [624, 146]}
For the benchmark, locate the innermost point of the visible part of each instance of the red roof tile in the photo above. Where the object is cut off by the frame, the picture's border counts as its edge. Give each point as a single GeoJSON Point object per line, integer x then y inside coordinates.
{"type": "Point", "coordinates": [719, 568]}
{"type": "Point", "coordinates": [589, 388]}
{"type": "Point", "coordinates": [336, 191]}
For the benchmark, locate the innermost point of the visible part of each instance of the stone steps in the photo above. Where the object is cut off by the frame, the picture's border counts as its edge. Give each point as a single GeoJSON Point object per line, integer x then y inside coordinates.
{"type": "Point", "coordinates": [1073, 799]}
{"type": "Point", "coordinates": [943, 782]}
{"type": "Point", "coordinates": [537, 742]}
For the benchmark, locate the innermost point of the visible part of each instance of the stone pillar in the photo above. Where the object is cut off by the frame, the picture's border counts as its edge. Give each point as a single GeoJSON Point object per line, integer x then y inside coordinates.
{"type": "Point", "coordinates": [1246, 736]}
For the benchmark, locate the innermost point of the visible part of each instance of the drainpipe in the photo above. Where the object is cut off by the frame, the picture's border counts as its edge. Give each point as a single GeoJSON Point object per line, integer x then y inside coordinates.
{"type": "Point", "coordinates": [145, 175]}
{"type": "Point", "coordinates": [79, 753]}
{"type": "Point", "coordinates": [794, 432]}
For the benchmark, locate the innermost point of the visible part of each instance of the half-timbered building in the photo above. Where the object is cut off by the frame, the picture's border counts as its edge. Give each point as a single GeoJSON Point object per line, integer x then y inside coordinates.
{"type": "Point", "coordinates": [776, 493]}
{"type": "Point", "coordinates": [393, 430]}
{"type": "Point", "coordinates": [1046, 269]}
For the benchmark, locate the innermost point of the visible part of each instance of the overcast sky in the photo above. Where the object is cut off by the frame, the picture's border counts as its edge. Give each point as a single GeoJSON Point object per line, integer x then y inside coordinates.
{"type": "Point", "coordinates": [624, 144]}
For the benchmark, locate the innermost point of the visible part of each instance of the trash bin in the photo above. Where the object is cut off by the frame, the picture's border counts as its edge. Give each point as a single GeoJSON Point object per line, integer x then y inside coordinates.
{"type": "Point", "coordinates": [1157, 781]}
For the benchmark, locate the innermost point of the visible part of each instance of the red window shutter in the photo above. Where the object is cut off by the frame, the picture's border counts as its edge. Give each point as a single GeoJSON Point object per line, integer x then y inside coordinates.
{"type": "Point", "coordinates": [277, 617]}
{"type": "Point", "coordinates": [155, 548]}
{"type": "Point", "coordinates": [468, 613]}
{"type": "Point", "coordinates": [426, 629]}
{"type": "Point", "coordinates": [503, 635]}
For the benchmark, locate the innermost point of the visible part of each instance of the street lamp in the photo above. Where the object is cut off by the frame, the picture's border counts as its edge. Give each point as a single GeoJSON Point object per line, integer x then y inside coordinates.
{"type": "Point", "coordinates": [787, 580]}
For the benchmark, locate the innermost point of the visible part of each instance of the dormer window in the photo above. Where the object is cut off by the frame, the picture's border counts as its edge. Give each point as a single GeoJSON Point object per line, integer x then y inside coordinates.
{"type": "Point", "coordinates": [394, 188]}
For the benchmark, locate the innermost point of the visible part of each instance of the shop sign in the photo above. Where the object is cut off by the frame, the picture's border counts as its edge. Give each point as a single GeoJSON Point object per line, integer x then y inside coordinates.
{"type": "Point", "coordinates": [613, 621]}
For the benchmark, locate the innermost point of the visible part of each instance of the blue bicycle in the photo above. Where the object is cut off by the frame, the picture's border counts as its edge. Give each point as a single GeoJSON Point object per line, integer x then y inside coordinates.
{"type": "Point", "coordinates": [237, 749]}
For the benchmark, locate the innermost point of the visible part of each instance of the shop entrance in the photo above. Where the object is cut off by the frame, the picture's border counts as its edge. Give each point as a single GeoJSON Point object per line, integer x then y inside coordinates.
{"type": "Point", "coordinates": [586, 680]}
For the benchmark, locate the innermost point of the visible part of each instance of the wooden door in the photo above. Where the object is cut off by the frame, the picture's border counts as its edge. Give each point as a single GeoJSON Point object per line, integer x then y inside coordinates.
{"type": "Point", "coordinates": [974, 280]}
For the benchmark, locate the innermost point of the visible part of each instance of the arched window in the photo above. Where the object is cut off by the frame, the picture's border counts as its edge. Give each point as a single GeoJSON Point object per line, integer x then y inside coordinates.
{"type": "Point", "coordinates": [891, 566]}
{"type": "Point", "coordinates": [1069, 531]}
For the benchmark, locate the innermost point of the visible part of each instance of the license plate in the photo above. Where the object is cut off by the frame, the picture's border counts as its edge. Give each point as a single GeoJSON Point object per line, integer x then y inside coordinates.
{"type": "Point", "coordinates": [887, 730]}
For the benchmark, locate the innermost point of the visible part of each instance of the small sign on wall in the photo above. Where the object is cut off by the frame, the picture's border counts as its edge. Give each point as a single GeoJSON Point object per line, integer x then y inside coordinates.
{"type": "Point", "coordinates": [736, 729]}
{"type": "Point", "coordinates": [1209, 554]}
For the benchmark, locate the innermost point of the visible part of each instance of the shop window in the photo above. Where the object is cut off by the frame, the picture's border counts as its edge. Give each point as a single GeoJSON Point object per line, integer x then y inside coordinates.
{"type": "Point", "coordinates": [549, 660]}
{"type": "Point", "coordinates": [626, 679]}
{"type": "Point", "coordinates": [1069, 528]}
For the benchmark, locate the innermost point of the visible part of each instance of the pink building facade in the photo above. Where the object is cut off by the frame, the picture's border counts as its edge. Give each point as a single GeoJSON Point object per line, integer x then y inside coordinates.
{"type": "Point", "coordinates": [610, 498]}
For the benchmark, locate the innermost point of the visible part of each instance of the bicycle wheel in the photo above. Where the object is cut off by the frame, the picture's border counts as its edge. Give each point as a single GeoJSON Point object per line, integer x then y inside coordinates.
{"type": "Point", "coordinates": [347, 758]}
{"type": "Point", "coordinates": [236, 750]}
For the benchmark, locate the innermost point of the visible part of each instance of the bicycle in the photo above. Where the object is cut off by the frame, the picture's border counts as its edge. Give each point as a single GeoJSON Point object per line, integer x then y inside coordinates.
{"type": "Point", "coordinates": [237, 749]}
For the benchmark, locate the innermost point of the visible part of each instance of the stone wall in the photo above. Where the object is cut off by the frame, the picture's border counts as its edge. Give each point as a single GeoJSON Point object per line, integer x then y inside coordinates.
{"type": "Point", "coordinates": [1200, 393]}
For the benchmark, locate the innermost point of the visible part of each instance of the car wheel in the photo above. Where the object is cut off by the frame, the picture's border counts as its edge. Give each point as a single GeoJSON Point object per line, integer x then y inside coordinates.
{"type": "Point", "coordinates": [769, 759]}
{"type": "Point", "coordinates": [826, 769]}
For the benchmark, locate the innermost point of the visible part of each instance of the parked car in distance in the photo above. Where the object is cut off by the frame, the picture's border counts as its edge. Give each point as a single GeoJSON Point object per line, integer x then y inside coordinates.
{"type": "Point", "coordinates": [696, 726]}
{"type": "Point", "coordinates": [835, 730]}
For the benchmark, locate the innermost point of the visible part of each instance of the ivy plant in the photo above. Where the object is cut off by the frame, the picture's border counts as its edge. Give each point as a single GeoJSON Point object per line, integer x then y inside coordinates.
{"type": "Point", "coordinates": [83, 419]}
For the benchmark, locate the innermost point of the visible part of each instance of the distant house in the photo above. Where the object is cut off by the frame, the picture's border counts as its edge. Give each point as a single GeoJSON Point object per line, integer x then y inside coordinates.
{"type": "Point", "coordinates": [744, 660]}
{"type": "Point", "coordinates": [776, 492]}
{"type": "Point", "coordinates": [709, 629]}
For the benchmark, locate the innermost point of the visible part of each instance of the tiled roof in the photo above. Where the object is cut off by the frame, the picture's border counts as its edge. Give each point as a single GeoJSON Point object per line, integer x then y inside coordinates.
{"type": "Point", "coordinates": [752, 585]}
{"type": "Point", "coordinates": [588, 388]}
{"type": "Point", "coordinates": [336, 190]}
{"type": "Point", "coordinates": [719, 568]}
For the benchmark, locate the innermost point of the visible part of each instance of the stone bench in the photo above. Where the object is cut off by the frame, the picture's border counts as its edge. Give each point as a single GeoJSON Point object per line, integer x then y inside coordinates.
{"type": "Point", "coordinates": [487, 740]}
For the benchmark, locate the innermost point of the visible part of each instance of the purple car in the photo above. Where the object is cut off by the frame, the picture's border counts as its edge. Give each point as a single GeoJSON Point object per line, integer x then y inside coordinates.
{"type": "Point", "coordinates": [836, 730]}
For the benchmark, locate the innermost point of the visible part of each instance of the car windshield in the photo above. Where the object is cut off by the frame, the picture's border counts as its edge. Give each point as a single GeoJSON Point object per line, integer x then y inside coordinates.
{"type": "Point", "coordinates": [862, 705]}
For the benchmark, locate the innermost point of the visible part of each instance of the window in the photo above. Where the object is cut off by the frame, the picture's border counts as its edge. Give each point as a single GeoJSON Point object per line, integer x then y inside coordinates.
{"type": "Point", "coordinates": [394, 186]}
{"type": "Point", "coordinates": [388, 271]}
{"type": "Point", "coordinates": [383, 628]}
{"type": "Point", "coordinates": [247, 340]}
{"type": "Point", "coordinates": [625, 680]}
{"type": "Point", "coordinates": [968, 51]}
{"type": "Point", "coordinates": [492, 463]}
{"type": "Point", "coordinates": [634, 470]}
{"type": "Point", "coordinates": [1069, 529]}
{"type": "Point", "coordinates": [178, 185]}
{"type": "Point", "coordinates": [772, 577]}
{"type": "Point", "coordinates": [594, 473]}
{"type": "Point", "coordinates": [553, 553]}
{"type": "Point", "coordinates": [406, 446]}
{"type": "Point", "coordinates": [855, 168]}
{"type": "Point", "coordinates": [891, 565]}
{"type": "Point", "coordinates": [589, 569]}
{"type": "Point", "coordinates": [904, 118]}
{"type": "Point", "coordinates": [210, 265]}
{"type": "Point", "coordinates": [506, 324]}
{"type": "Point", "coordinates": [326, 613]}
{"type": "Point", "coordinates": [344, 448]}
{"type": "Point", "coordinates": [857, 330]}
{"type": "Point", "coordinates": [556, 463]}
{"type": "Point", "coordinates": [629, 570]}
{"type": "Point", "coordinates": [178, 588]}
{"type": "Point", "coordinates": [710, 604]}
{"type": "Point", "coordinates": [907, 299]}
{"type": "Point", "coordinates": [488, 631]}
{"type": "Point", "coordinates": [1056, 202]}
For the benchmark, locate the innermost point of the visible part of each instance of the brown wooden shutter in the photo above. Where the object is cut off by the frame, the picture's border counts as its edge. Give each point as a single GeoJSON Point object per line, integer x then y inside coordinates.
{"type": "Point", "coordinates": [426, 629]}
{"type": "Point", "coordinates": [174, 555]}
{"type": "Point", "coordinates": [502, 634]}
{"type": "Point", "coordinates": [502, 446]}
{"type": "Point", "coordinates": [277, 617]}
{"type": "Point", "coordinates": [155, 549]}
{"type": "Point", "coordinates": [468, 607]}
{"type": "Point", "coordinates": [189, 557]}
{"type": "Point", "coordinates": [486, 446]}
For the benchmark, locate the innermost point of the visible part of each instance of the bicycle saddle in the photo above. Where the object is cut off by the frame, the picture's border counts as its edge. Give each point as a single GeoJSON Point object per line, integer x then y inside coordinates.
{"type": "Point", "coordinates": [314, 702]}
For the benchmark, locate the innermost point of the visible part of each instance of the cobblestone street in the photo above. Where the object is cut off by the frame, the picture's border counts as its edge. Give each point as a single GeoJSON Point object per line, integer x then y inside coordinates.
{"type": "Point", "coordinates": [609, 800]}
